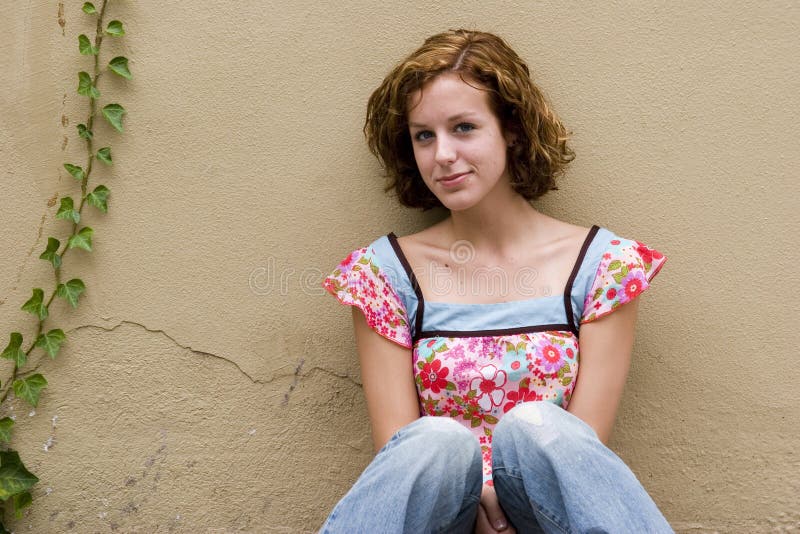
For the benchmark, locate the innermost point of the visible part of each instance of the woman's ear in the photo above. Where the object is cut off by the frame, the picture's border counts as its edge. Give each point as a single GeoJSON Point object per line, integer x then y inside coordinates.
{"type": "Point", "coordinates": [510, 137]}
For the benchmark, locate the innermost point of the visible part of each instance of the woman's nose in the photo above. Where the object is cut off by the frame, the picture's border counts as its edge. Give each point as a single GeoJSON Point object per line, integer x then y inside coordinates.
{"type": "Point", "coordinates": [445, 151]}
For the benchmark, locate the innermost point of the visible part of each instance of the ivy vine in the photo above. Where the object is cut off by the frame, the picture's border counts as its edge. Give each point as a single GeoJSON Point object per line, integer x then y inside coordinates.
{"type": "Point", "coordinates": [16, 480]}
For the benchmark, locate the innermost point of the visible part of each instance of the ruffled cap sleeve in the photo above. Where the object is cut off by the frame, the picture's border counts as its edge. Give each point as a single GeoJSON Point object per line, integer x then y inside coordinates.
{"type": "Point", "coordinates": [360, 281]}
{"type": "Point", "coordinates": [625, 271]}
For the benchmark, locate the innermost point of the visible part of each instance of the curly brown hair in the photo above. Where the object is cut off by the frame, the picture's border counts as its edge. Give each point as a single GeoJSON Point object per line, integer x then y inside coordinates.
{"type": "Point", "coordinates": [539, 153]}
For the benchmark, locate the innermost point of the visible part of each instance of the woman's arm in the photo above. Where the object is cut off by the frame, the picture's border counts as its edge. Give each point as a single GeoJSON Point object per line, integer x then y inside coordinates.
{"type": "Point", "coordinates": [388, 378]}
{"type": "Point", "coordinates": [605, 357]}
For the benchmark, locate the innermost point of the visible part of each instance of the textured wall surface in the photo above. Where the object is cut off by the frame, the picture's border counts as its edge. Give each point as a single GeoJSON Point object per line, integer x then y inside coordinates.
{"type": "Point", "coordinates": [208, 383]}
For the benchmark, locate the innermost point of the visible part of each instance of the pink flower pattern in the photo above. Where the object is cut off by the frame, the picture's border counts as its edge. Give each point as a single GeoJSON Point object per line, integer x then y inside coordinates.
{"type": "Point", "coordinates": [483, 390]}
{"type": "Point", "coordinates": [490, 387]}
{"type": "Point", "coordinates": [356, 282]}
{"type": "Point", "coordinates": [625, 271]}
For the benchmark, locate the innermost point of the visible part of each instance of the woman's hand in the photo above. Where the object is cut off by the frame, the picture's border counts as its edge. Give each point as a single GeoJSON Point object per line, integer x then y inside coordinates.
{"type": "Point", "coordinates": [491, 518]}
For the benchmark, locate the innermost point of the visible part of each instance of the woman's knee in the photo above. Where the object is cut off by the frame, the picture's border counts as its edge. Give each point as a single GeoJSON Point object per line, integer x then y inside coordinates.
{"type": "Point", "coordinates": [448, 441]}
{"type": "Point", "coordinates": [445, 432]}
{"type": "Point", "coordinates": [538, 424]}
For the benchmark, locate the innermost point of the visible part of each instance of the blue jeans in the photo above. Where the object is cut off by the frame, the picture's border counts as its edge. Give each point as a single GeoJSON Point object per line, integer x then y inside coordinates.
{"type": "Point", "coordinates": [551, 473]}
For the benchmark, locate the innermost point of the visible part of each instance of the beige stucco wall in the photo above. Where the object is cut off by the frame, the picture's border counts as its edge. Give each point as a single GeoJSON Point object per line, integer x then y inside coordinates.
{"type": "Point", "coordinates": [196, 395]}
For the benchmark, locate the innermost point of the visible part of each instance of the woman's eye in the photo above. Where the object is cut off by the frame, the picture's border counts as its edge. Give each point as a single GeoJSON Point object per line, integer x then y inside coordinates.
{"type": "Point", "coordinates": [465, 127]}
{"type": "Point", "coordinates": [423, 135]}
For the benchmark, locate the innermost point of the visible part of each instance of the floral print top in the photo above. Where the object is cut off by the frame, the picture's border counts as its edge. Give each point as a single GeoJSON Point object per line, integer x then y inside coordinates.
{"type": "Point", "coordinates": [474, 362]}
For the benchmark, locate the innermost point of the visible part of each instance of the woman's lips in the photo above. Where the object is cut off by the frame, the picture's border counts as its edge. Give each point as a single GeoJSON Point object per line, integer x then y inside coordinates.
{"type": "Point", "coordinates": [453, 179]}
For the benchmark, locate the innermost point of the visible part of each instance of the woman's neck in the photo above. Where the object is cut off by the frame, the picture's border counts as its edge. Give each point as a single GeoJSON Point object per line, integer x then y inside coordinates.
{"type": "Point", "coordinates": [496, 230]}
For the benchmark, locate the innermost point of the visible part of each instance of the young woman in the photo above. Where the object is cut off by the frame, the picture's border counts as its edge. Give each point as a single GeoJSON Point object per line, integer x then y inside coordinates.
{"type": "Point", "coordinates": [485, 415]}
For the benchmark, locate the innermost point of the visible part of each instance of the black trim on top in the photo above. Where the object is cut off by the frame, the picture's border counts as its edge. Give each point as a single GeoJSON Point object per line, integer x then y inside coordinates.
{"type": "Point", "coordinates": [411, 278]}
{"type": "Point", "coordinates": [495, 332]}
{"type": "Point", "coordinates": [577, 267]}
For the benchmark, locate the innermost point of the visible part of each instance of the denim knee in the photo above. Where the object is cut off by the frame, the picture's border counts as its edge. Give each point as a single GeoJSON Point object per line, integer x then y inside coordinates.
{"type": "Point", "coordinates": [427, 478]}
{"type": "Point", "coordinates": [565, 474]}
{"type": "Point", "coordinates": [450, 446]}
{"type": "Point", "coordinates": [538, 424]}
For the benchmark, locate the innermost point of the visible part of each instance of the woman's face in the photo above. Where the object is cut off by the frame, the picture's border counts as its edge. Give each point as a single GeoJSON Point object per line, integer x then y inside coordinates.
{"type": "Point", "coordinates": [458, 142]}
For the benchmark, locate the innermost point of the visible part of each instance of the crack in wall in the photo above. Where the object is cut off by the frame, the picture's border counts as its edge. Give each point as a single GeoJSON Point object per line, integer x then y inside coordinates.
{"type": "Point", "coordinates": [294, 382]}
{"type": "Point", "coordinates": [30, 252]}
{"type": "Point", "coordinates": [177, 343]}
{"type": "Point", "coordinates": [330, 372]}
{"type": "Point", "coordinates": [61, 20]}
{"type": "Point", "coordinates": [296, 372]}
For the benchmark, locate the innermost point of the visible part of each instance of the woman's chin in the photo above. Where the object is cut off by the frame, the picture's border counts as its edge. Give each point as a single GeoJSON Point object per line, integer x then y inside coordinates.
{"type": "Point", "coordinates": [457, 204]}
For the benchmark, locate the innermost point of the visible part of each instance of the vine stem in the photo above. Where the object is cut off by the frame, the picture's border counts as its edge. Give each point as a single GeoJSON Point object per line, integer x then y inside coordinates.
{"type": "Point", "coordinates": [98, 39]}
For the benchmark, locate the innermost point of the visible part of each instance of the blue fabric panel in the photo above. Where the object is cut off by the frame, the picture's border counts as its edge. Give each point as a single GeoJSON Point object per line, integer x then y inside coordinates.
{"type": "Point", "coordinates": [518, 313]}
{"type": "Point", "coordinates": [586, 274]}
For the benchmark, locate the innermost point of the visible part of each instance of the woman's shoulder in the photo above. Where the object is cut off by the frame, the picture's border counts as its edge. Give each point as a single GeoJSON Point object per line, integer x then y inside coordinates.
{"type": "Point", "coordinates": [549, 225]}
{"type": "Point", "coordinates": [432, 236]}
{"type": "Point", "coordinates": [432, 244]}
{"type": "Point", "coordinates": [365, 280]}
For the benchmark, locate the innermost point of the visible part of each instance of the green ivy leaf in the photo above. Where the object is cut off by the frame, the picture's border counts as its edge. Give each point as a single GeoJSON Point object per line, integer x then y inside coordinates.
{"type": "Point", "coordinates": [6, 423]}
{"type": "Point", "coordinates": [99, 198]}
{"type": "Point", "coordinates": [21, 501]}
{"type": "Point", "coordinates": [115, 29]}
{"type": "Point", "coordinates": [75, 171]}
{"type": "Point", "coordinates": [83, 239]}
{"type": "Point", "coordinates": [30, 388]}
{"type": "Point", "coordinates": [50, 253]}
{"type": "Point", "coordinates": [71, 291]}
{"type": "Point", "coordinates": [113, 114]}
{"type": "Point", "coordinates": [35, 305]}
{"type": "Point", "coordinates": [85, 46]}
{"type": "Point", "coordinates": [51, 341]}
{"type": "Point", "coordinates": [14, 478]}
{"type": "Point", "coordinates": [120, 65]}
{"type": "Point", "coordinates": [614, 265]}
{"type": "Point", "coordinates": [84, 132]}
{"type": "Point", "coordinates": [14, 351]}
{"type": "Point", "coordinates": [67, 211]}
{"type": "Point", "coordinates": [104, 155]}
{"type": "Point", "coordinates": [89, 8]}
{"type": "Point", "coordinates": [85, 85]}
